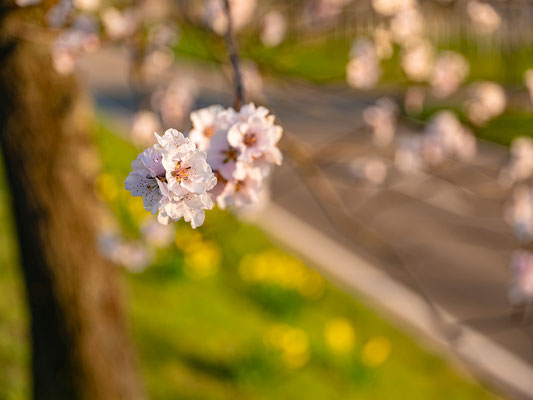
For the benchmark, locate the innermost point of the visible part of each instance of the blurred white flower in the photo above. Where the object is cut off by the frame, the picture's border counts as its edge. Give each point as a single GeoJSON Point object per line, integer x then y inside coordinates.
{"type": "Point", "coordinates": [80, 38]}
{"type": "Point", "coordinates": [381, 117]}
{"type": "Point", "coordinates": [242, 12]}
{"type": "Point", "coordinates": [408, 156]}
{"type": "Point", "coordinates": [87, 5]}
{"type": "Point", "coordinates": [134, 256]}
{"type": "Point", "coordinates": [486, 101]}
{"type": "Point", "coordinates": [174, 100]}
{"type": "Point", "coordinates": [391, 7]}
{"type": "Point", "coordinates": [485, 18]}
{"type": "Point", "coordinates": [407, 26]}
{"type": "Point", "coordinates": [518, 212]}
{"type": "Point", "coordinates": [156, 234]}
{"type": "Point", "coordinates": [274, 29]}
{"type": "Point", "coordinates": [383, 42]}
{"type": "Point", "coordinates": [57, 16]}
{"type": "Point", "coordinates": [145, 123]}
{"type": "Point", "coordinates": [449, 72]}
{"type": "Point", "coordinates": [119, 24]}
{"type": "Point", "coordinates": [417, 60]}
{"type": "Point", "coordinates": [371, 170]}
{"type": "Point", "coordinates": [521, 286]}
{"type": "Point", "coordinates": [520, 164]}
{"type": "Point", "coordinates": [158, 60]}
{"type": "Point", "coordinates": [445, 136]}
{"type": "Point", "coordinates": [363, 70]}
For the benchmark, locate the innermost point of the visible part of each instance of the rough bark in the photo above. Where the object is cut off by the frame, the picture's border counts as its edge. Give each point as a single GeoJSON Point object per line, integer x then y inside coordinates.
{"type": "Point", "coordinates": [80, 349]}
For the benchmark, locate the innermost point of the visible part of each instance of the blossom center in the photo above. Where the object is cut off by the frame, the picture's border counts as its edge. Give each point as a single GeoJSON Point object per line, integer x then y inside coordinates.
{"type": "Point", "coordinates": [209, 131]}
{"type": "Point", "coordinates": [230, 155]}
{"type": "Point", "coordinates": [249, 139]}
{"type": "Point", "coordinates": [181, 173]}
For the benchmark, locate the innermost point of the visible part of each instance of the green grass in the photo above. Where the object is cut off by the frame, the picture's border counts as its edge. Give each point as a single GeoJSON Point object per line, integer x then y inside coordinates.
{"type": "Point", "coordinates": [323, 59]}
{"type": "Point", "coordinates": [225, 336]}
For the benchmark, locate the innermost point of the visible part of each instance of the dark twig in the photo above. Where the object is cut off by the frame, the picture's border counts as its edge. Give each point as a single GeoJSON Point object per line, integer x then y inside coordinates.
{"type": "Point", "coordinates": [234, 59]}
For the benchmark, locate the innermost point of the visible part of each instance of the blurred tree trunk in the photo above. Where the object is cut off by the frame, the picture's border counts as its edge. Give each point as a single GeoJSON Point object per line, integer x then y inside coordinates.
{"type": "Point", "coordinates": [78, 334]}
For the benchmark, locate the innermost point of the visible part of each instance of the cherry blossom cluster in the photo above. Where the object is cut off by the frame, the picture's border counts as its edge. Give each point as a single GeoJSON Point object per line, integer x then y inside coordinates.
{"type": "Point", "coordinates": [173, 178]}
{"type": "Point", "coordinates": [226, 158]}
{"type": "Point", "coordinates": [86, 24]}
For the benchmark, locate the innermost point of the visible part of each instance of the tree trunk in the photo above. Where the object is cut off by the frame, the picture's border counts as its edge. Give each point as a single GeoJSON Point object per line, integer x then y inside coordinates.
{"type": "Point", "coordinates": [78, 335]}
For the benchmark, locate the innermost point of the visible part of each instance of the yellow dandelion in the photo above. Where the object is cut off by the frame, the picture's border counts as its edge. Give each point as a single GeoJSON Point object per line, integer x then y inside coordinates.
{"type": "Point", "coordinates": [339, 335]}
{"type": "Point", "coordinates": [376, 351]}
{"type": "Point", "coordinates": [202, 259]}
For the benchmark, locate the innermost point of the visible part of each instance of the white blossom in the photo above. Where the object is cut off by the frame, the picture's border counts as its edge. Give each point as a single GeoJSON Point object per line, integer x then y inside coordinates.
{"type": "Point", "coordinates": [371, 170]}
{"type": "Point", "coordinates": [445, 136]}
{"type": "Point", "coordinates": [147, 177]}
{"type": "Point", "coordinates": [186, 167]}
{"type": "Point", "coordinates": [381, 117]}
{"type": "Point", "coordinates": [80, 38]}
{"type": "Point", "coordinates": [486, 101]}
{"type": "Point", "coordinates": [205, 122]}
{"type": "Point", "coordinates": [87, 5]}
{"type": "Point", "coordinates": [383, 42]}
{"type": "Point", "coordinates": [191, 207]}
{"type": "Point", "coordinates": [156, 234]}
{"type": "Point", "coordinates": [178, 180]}
{"type": "Point", "coordinates": [119, 24]}
{"type": "Point", "coordinates": [520, 164]}
{"type": "Point", "coordinates": [518, 212]}
{"type": "Point", "coordinates": [485, 18]}
{"type": "Point", "coordinates": [57, 16]}
{"type": "Point", "coordinates": [407, 26]}
{"type": "Point", "coordinates": [174, 101]}
{"type": "Point", "coordinates": [450, 70]}
{"type": "Point", "coordinates": [240, 193]}
{"type": "Point", "coordinates": [274, 29]}
{"type": "Point", "coordinates": [363, 70]}
{"type": "Point", "coordinates": [145, 123]}
{"type": "Point", "coordinates": [417, 61]}
{"type": "Point", "coordinates": [257, 139]}
{"type": "Point", "coordinates": [391, 7]}
{"type": "Point", "coordinates": [242, 12]}
{"type": "Point", "coordinates": [408, 156]}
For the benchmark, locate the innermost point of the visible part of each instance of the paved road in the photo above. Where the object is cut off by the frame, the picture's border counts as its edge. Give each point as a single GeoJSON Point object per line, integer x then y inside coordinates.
{"type": "Point", "coordinates": [446, 224]}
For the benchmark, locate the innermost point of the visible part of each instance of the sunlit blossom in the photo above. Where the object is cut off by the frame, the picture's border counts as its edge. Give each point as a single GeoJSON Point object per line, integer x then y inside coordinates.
{"type": "Point", "coordinates": [274, 29]}
{"type": "Point", "coordinates": [486, 100]}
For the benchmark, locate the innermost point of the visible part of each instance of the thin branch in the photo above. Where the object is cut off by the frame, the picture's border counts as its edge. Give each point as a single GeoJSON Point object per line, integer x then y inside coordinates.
{"type": "Point", "coordinates": [234, 59]}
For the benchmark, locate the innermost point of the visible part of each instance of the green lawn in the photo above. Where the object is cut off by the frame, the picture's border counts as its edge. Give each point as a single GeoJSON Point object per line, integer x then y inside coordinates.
{"type": "Point", "coordinates": [323, 59]}
{"type": "Point", "coordinates": [225, 314]}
